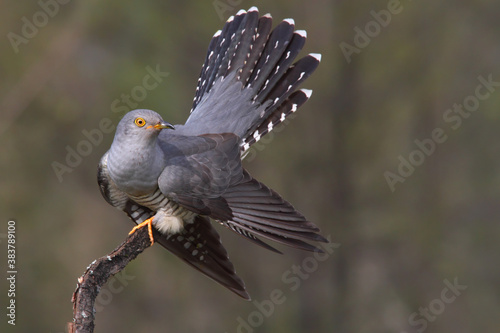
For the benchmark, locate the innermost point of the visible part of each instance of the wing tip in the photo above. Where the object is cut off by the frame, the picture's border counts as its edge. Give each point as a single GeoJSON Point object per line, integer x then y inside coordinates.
{"type": "Point", "coordinates": [242, 293]}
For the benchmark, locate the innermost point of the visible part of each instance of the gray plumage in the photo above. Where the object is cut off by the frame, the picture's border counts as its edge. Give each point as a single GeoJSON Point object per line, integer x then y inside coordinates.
{"type": "Point", "coordinates": [182, 177]}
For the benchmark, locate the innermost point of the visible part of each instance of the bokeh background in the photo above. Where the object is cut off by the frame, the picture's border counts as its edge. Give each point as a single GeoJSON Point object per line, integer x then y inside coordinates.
{"type": "Point", "coordinates": [399, 244]}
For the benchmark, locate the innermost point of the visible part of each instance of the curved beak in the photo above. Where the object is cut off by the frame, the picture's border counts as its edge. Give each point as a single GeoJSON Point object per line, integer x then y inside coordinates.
{"type": "Point", "coordinates": [162, 125]}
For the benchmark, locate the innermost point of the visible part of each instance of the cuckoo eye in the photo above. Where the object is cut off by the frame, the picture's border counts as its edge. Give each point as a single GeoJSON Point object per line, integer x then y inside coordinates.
{"type": "Point", "coordinates": [140, 122]}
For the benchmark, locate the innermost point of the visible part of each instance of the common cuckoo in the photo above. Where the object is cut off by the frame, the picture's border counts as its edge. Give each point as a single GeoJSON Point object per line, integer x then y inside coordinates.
{"type": "Point", "coordinates": [176, 178]}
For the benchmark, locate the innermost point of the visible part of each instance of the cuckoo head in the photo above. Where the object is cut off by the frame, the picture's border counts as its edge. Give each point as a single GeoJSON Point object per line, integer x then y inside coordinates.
{"type": "Point", "coordinates": [140, 125]}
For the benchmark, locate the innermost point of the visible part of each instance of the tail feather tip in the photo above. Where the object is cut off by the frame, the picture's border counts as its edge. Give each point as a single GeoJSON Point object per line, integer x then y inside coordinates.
{"type": "Point", "coordinates": [302, 33]}
{"type": "Point", "coordinates": [308, 92]}
{"type": "Point", "coordinates": [316, 56]}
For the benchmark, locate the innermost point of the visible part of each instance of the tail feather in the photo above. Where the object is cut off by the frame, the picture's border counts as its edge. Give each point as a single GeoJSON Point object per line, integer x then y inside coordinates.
{"type": "Point", "coordinates": [284, 87]}
{"type": "Point", "coordinates": [288, 107]}
{"type": "Point", "coordinates": [199, 245]}
{"type": "Point", "coordinates": [277, 43]}
{"type": "Point", "coordinates": [259, 39]}
{"type": "Point", "coordinates": [216, 55]}
{"type": "Point", "coordinates": [202, 84]}
{"type": "Point", "coordinates": [231, 39]}
{"type": "Point", "coordinates": [294, 47]}
{"type": "Point", "coordinates": [226, 44]}
{"type": "Point", "coordinates": [293, 77]}
{"type": "Point", "coordinates": [242, 42]}
{"type": "Point", "coordinates": [249, 72]}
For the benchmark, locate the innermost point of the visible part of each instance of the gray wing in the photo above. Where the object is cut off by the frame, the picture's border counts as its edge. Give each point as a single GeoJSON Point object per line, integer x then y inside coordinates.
{"type": "Point", "coordinates": [198, 244]}
{"type": "Point", "coordinates": [199, 170]}
{"type": "Point", "coordinates": [258, 210]}
{"type": "Point", "coordinates": [211, 181]}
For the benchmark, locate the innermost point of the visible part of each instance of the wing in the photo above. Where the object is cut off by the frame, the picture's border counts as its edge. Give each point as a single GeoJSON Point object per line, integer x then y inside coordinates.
{"type": "Point", "coordinates": [258, 210]}
{"type": "Point", "coordinates": [197, 177]}
{"type": "Point", "coordinates": [198, 244]}
{"type": "Point", "coordinates": [251, 209]}
{"type": "Point", "coordinates": [211, 181]}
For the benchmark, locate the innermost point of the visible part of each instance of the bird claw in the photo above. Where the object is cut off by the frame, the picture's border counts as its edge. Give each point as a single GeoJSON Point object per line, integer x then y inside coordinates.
{"type": "Point", "coordinates": [149, 223]}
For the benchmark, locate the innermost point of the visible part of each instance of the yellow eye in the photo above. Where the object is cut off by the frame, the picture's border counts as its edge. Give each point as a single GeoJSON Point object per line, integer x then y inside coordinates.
{"type": "Point", "coordinates": [140, 122]}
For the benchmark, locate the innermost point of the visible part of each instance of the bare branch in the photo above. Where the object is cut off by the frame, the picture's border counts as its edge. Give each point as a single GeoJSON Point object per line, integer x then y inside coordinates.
{"type": "Point", "coordinates": [96, 276]}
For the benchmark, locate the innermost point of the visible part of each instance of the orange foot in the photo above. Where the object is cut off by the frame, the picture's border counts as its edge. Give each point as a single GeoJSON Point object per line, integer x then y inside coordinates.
{"type": "Point", "coordinates": [149, 223]}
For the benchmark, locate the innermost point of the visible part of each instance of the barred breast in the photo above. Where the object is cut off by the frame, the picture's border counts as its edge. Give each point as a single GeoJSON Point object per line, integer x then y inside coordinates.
{"type": "Point", "coordinates": [170, 218]}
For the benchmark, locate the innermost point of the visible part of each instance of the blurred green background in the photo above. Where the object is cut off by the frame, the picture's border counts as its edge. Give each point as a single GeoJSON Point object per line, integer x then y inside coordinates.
{"type": "Point", "coordinates": [393, 73]}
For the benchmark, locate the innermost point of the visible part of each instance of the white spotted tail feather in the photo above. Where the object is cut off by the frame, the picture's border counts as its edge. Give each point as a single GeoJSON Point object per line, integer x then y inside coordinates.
{"type": "Point", "coordinates": [288, 107]}
{"type": "Point", "coordinates": [260, 60]}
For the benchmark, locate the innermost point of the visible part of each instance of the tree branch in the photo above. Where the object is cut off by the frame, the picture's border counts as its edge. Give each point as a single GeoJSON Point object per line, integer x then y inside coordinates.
{"type": "Point", "coordinates": [98, 273]}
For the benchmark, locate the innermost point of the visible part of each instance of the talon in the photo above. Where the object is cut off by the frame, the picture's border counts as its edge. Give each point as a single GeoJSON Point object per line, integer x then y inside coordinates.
{"type": "Point", "coordinates": [149, 223]}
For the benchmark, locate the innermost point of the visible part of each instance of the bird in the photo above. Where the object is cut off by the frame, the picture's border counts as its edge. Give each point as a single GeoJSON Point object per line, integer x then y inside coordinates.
{"type": "Point", "coordinates": [177, 179]}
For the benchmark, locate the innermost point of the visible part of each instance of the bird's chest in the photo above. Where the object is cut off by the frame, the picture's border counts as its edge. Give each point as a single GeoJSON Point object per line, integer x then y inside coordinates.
{"type": "Point", "coordinates": [154, 200]}
{"type": "Point", "coordinates": [170, 217]}
{"type": "Point", "coordinates": [137, 174]}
